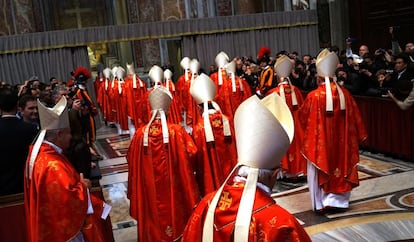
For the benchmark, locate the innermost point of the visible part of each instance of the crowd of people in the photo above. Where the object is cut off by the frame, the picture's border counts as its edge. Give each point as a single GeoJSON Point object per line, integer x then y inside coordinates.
{"type": "Point", "coordinates": [205, 149]}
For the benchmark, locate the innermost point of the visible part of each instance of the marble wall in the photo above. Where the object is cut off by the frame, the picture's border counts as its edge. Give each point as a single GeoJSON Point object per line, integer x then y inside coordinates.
{"type": "Point", "coordinates": [27, 16]}
{"type": "Point", "coordinates": [19, 17]}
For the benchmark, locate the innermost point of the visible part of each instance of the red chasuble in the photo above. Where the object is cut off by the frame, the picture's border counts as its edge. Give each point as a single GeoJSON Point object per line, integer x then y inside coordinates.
{"type": "Point", "coordinates": [135, 98]}
{"type": "Point", "coordinates": [113, 94]}
{"type": "Point", "coordinates": [56, 201]}
{"type": "Point", "coordinates": [185, 100]}
{"type": "Point", "coordinates": [99, 86]}
{"type": "Point", "coordinates": [331, 139]}
{"type": "Point", "coordinates": [216, 159]}
{"type": "Point", "coordinates": [228, 100]}
{"type": "Point", "coordinates": [215, 77]}
{"type": "Point", "coordinates": [119, 104]}
{"type": "Point", "coordinates": [161, 185]}
{"type": "Point", "coordinates": [293, 162]}
{"type": "Point", "coordinates": [269, 221]}
{"type": "Point", "coordinates": [106, 103]}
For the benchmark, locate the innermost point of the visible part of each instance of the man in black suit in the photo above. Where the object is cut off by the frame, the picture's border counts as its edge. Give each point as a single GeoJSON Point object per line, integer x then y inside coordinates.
{"type": "Point", "coordinates": [403, 77]}
{"type": "Point", "coordinates": [15, 139]}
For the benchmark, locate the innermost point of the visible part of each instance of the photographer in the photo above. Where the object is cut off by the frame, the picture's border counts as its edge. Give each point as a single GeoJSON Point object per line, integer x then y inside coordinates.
{"type": "Point", "coordinates": [401, 78]}
{"type": "Point", "coordinates": [382, 84]}
{"type": "Point", "coordinates": [298, 74]}
{"type": "Point", "coordinates": [383, 59]}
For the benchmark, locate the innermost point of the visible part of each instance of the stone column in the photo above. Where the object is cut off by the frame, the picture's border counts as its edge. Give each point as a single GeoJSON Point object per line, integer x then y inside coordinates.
{"type": "Point", "coordinates": [339, 18]}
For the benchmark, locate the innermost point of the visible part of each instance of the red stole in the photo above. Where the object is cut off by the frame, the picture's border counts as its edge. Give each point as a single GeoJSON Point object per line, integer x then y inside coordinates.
{"type": "Point", "coordinates": [215, 160]}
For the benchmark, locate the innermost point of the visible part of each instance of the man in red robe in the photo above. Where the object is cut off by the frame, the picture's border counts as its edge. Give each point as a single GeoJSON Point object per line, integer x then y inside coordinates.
{"type": "Point", "coordinates": [134, 89]}
{"type": "Point", "coordinates": [58, 204]}
{"type": "Point", "coordinates": [243, 210]}
{"type": "Point", "coordinates": [214, 136]}
{"type": "Point", "coordinates": [293, 162]}
{"type": "Point", "coordinates": [233, 91]}
{"type": "Point", "coordinates": [161, 184]}
{"type": "Point", "coordinates": [183, 91]}
{"type": "Point", "coordinates": [333, 129]}
{"type": "Point", "coordinates": [220, 75]}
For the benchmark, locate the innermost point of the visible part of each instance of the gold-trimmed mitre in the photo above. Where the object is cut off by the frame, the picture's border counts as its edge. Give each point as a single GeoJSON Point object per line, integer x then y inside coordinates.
{"type": "Point", "coordinates": [203, 89]}
{"type": "Point", "coordinates": [266, 144]}
{"type": "Point", "coordinates": [54, 118]}
{"type": "Point", "coordinates": [283, 66]}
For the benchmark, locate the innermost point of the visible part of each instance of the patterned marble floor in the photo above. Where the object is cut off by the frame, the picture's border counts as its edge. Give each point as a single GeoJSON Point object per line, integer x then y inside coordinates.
{"type": "Point", "coordinates": [381, 208]}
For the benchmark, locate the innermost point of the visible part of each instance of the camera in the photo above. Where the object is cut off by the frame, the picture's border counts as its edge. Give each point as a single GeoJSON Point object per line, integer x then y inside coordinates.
{"type": "Point", "coordinates": [389, 71]}
{"type": "Point", "coordinates": [383, 91]}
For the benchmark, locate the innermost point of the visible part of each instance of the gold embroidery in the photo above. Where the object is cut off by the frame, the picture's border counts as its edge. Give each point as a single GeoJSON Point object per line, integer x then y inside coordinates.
{"type": "Point", "coordinates": [337, 172]}
{"type": "Point", "coordinates": [169, 231]}
{"type": "Point", "coordinates": [216, 122]}
{"type": "Point", "coordinates": [153, 129]}
{"type": "Point", "coordinates": [225, 201]}
{"type": "Point", "coordinates": [273, 222]}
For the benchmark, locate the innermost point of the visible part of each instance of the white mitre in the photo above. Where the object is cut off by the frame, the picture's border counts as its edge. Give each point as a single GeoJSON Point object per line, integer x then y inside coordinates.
{"type": "Point", "coordinates": [326, 64]}
{"type": "Point", "coordinates": [260, 148]}
{"type": "Point", "coordinates": [50, 119]}
{"type": "Point", "coordinates": [283, 68]}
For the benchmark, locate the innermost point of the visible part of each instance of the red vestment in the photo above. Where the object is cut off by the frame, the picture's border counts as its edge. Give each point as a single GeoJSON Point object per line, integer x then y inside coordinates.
{"type": "Point", "coordinates": [121, 103]}
{"type": "Point", "coordinates": [185, 100]}
{"type": "Point", "coordinates": [229, 99]}
{"type": "Point", "coordinates": [216, 159]}
{"type": "Point", "coordinates": [269, 221]}
{"type": "Point", "coordinates": [331, 139]}
{"type": "Point", "coordinates": [215, 77]}
{"type": "Point", "coordinates": [161, 184]}
{"type": "Point", "coordinates": [173, 113]}
{"type": "Point", "coordinates": [99, 86]}
{"type": "Point", "coordinates": [106, 103]}
{"type": "Point", "coordinates": [293, 162]}
{"type": "Point", "coordinates": [135, 99]}
{"type": "Point", "coordinates": [56, 201]}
